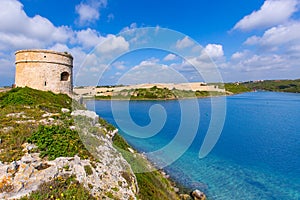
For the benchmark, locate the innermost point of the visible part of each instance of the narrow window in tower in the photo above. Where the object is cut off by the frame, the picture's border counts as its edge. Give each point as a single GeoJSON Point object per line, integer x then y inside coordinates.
{"type": "Point", "coordinates": [45, 83]}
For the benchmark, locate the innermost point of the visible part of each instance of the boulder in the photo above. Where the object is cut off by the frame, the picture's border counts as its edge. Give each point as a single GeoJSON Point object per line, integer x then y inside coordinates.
{"type": "Point", "coordinates": [198, 195]}
{"type": "Point", "coordinates": [86, 113]}
{"type": "Point", "coordinates": [65, 110]}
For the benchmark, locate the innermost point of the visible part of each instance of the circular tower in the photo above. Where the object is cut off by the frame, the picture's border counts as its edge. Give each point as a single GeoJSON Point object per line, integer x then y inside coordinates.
{"type": "Point", "coordinates": [44, 70]}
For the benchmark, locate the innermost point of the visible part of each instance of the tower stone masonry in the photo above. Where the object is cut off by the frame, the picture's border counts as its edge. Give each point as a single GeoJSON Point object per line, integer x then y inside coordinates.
{"type": "Point", "coordinates": [44, 70]}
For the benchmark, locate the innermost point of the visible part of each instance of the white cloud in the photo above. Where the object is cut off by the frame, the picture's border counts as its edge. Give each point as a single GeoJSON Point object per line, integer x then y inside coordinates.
{"type": "Point", "coordinates": [272, 12]}
{"type": "Point", "coordinates": [184, 43]}
{"type": "Point", "coordinates": [263, 62]}
{"type": "Point", "coordinates": [113, 44]}
{"type": "Point", "coordinates": [120, 65]}
{"type": "Point", "coordinates": [89, 11]}
{"type": "Point", "coordinates": [246, 65]}
{"type": "Point", "coordinates": [170, 57]}
{"type": "Point", "coordinates": [129, 28]}
{"type": "Point", "coordinates": [151, 71]}
{"type": "Point", "coordinates": [17, 30]}
{"type": "Point", "coordinates": [88, 38]}
{"type": "Point", "coordinates": [282, 37]}
{"type": "Point", "coordinates": [240, 55]}
{"type": "Point", "coordinates": [110, 17]}
{"type": "Point", "coordinates": [214, 50]}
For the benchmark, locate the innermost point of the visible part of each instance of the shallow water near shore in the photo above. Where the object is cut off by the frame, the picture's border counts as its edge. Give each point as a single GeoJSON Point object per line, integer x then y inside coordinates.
{"type": "Point", "coordinates": [256, 157]}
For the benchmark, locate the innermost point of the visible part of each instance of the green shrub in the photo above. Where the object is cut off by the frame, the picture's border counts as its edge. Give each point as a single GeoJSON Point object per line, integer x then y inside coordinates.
{"type": "Point", "coordinates": [236, 88]}
{"type": "Point", "coordinates": [63, 188]}
{"type": "Point", "coordinates": [31, 97]}
{"type": "Point", "coordinates": [55, 141]}
{"type": "Point", "coordinates": [88, 170]}
{"type": "Point", "coordinates": [106, 125]}
{"type": "Point", "coordinates": [152, 185]}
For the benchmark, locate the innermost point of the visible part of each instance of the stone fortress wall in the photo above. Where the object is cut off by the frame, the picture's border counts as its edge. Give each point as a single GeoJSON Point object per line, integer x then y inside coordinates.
{"type": "Point", "coordinates": [44, 70]}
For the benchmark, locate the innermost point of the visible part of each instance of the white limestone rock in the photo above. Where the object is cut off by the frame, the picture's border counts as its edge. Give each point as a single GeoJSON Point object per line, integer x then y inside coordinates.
{"type": "Point", "coordinates": [86, 113]}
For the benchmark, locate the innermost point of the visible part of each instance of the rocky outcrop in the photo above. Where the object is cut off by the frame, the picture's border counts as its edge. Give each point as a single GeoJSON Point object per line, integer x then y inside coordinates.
{"type": "Point", "coordinates": [198, 195]}
{"type": "Point", "coordinates": [109, 173]}
{"type": "Point", "coordinates": [86, 113]}
{"type": "Point", "coordinates": [20, 178]}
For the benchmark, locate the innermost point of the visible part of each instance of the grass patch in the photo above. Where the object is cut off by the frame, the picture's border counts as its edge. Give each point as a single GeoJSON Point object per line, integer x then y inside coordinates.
{"type": "Point", "coordinates": [88, 170]}
{"type": "Point", "coordinates": [236, 88]}
{"type": "Point", "coordinates": [156, 93]}
{"type": "Point", "coordinates": [23, 104]}
{"type": "Point", "coordinates": [275, 85]}
{"type": "Point", "coordinates": [56, 141]}
{"type": "Point", "coordinates": [26, 106]}
{"type": "Point", "coordinates": [106, 125]}
{"type": "Point", "coordinates": [30, 97]}
{"type": "Point", "coordinates": [63, 188]}
{"type": "Point", "coordinates": [152, 185]}
{"type": "Point", "coordinates": [12, 140]}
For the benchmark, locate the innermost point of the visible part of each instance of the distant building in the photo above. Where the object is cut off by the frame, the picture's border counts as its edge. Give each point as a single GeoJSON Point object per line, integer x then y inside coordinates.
{"type": "Point", "coordinates": [44, 70]}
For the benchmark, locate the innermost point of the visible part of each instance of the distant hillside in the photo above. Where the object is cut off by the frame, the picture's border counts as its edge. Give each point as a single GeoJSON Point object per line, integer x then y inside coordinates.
{"type": "Point", "coordinates": [156, 93]}
{"type": "Point", "coordinates": [275, 85]}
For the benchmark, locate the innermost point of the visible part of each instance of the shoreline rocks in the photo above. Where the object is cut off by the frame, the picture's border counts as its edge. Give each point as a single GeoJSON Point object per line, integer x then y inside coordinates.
{"type": "Point", "coordinates": [198, 195]}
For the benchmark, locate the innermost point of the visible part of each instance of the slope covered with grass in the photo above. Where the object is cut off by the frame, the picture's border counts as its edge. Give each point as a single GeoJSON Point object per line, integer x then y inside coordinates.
{"type": "Point", "coordinates": [22, 111]}
{"type": "Point", "coordinates": [33, 116]}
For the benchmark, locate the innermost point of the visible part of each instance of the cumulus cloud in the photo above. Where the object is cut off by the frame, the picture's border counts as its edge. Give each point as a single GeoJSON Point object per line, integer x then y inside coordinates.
{"type": "Point", "coordinates": [279, 35]}
{"type": "Point", "coordinates": [89, 11]}
{"type": "Point", "coordinates": [184, 43]}
{"type": "Point", "coordinates": [271, 13]}
{"type": "Point", "coordinates": [240, 55]}
{"type": "Point", "coordinates": [258, 62]}
{"type": "Point", "coordinates": [113, 44]}
{"type": "Point", "coordinates": [129, 29]}
{"type": "Point", "coordinates": [143, 73]}
{"type": "Point", "coordinates": [248, 65]}
{"type": "Point", "coordinates": [120, 65]}
{"type": "Point", "coordinates": [17, 30]}
{"type": "Point", "coordinates": [214, 50]}
{"type": "Point", "coordinates": [88, 38]}
{"type": "Point", "coordinates": [170, 57]}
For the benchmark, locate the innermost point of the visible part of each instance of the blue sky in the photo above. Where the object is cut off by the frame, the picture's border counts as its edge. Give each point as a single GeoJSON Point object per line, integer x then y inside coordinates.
{"type": "Point", "coordinates": [246, 40]}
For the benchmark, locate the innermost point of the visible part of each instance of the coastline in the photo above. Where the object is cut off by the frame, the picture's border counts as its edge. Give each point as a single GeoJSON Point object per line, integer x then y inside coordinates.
{"type": "Point", "coordinates": [181, 190]}
{"type": "Point", "coordinates": [154, 99]}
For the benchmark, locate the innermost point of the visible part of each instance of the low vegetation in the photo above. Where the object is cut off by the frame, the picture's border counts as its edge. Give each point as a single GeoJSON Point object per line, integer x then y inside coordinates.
{"type": "Point", "coordinates": [57, 141]}
{"type": "Point", "coordinates": [234, 88]}
{"type": "Point", "coordinates": [63, 188]}
{"type": "Point", "coordinates": [155, 93]}
{"type": "Point", "coordinates": [46, 101]}
{"type": "Point", "coordinates": [21, 111]}
{"type": "Point", "coordinates": [275, 85]}
{"type": "Point", "coordinates": [152, 184]}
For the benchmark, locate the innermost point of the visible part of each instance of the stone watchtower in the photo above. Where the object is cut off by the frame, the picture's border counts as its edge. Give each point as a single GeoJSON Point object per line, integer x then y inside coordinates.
{"type": "Point", "coordinates": [44, 70]}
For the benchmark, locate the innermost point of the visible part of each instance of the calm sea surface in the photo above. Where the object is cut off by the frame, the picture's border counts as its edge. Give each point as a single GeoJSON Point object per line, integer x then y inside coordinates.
{"type": "Point", "coordinates": [256, 157]}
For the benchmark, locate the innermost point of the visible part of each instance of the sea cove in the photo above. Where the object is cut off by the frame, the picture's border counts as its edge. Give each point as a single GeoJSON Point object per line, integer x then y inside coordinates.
{"type": "Point", "coordinates": [257, 155]}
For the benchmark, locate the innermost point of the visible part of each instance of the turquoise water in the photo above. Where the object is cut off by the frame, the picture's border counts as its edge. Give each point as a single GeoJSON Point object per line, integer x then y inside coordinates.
{"type": "Point", "coordinates": [256, 157]}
